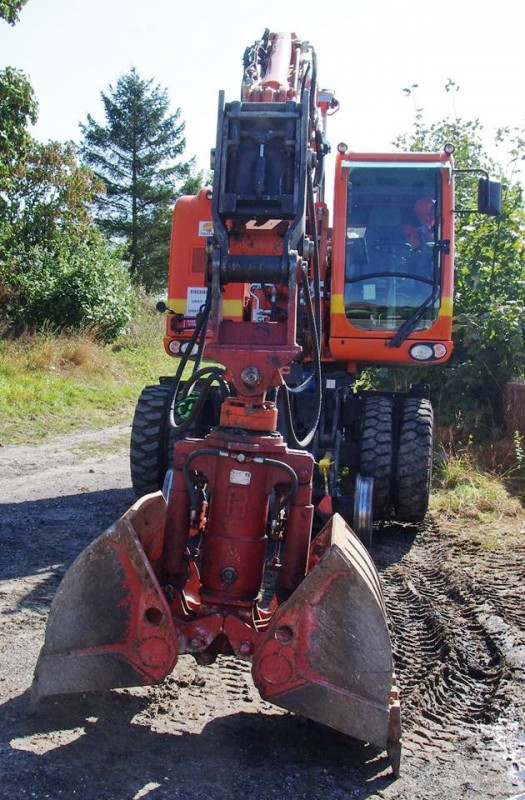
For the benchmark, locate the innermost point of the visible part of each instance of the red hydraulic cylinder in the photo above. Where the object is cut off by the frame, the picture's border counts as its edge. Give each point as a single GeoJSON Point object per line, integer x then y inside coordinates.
{"type": "Point", "coordinates": [299, 527]}
{"type": "Point", "coordinates": [177, 527]}
{"type": "Point", "coordinates": [233, 559]}
{"type": "Point", "coordinates": [277, 76]}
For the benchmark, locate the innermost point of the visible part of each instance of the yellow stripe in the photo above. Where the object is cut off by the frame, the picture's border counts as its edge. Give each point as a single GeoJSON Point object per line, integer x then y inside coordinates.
{"type": "Point", "coordinates": [176, 305]}
{"type": "Point", "coordinates": [446, 307]}
{"type": "Point", "coordinates": [232, 308]}
{"type": "Point", "coordinates": [337, 304]}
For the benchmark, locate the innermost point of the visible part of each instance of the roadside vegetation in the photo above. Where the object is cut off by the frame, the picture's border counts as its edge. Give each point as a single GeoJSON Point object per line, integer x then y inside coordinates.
{"type": "Point", "coordinates": [58, 383]}
{"type": "Point", "coordinates": [479, 489]}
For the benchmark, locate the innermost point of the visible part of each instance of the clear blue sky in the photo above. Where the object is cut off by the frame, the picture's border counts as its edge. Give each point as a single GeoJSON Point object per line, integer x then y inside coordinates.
{"type": "Point", "coordinates": [367, 52]}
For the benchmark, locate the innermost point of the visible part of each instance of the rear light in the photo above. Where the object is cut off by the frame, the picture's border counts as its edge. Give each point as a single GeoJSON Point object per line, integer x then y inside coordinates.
{"type": "Point", "coordinates": [427, 352]}
{"type": "Point", "coordinates": [421, 352]}
{"type": "Point", "coordinates": [177, 348]}
{"type": "Point", "coordinates": [183, 349]}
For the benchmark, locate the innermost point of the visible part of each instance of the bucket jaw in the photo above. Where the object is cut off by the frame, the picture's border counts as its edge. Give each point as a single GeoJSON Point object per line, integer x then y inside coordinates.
{"type": "Point", "coordinates": [326, 654]}
{"type": "Point", "coordinates": [109, 624]}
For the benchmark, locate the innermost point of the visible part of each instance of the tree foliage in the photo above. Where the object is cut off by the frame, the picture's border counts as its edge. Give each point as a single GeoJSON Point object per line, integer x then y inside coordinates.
{"type": "Point", "coordinates": [10, 10]}
{"type": "Point", "coordinates": [489, 322]}
{"type": "Point", "coordinates": [56, 270]}
{"type": "Point", "coordinates": [18, 108]}
{"type": "Point", "coordinates": [83, 285]}
{"type": "Point", "coordinates": [137, 154]}
{"type": "Point", "coordinates": [48, 197]}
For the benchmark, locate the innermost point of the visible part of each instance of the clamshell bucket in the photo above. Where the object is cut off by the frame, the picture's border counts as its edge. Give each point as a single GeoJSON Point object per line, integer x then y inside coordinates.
{"type": "Point", "coordinates": [109, 624]}
{"type": "Point", "coordinates": [324, 652]}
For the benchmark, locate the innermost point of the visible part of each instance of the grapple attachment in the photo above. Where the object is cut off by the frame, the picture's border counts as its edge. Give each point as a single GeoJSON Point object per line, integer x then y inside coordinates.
{"type": "Point", "coordinates": [324, 652]}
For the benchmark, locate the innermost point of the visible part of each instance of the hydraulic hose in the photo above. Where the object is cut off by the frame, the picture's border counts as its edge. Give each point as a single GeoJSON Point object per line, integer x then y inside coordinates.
{"type": "Point", "coordinates": [291, 472]}
{"type": "Point", "coordinates": [317, 267]}
{"type": "Point", "coordinates": [198, 337]}
{"type": "Point", "coordinates": [316, 357]}
{"type": "Point", "coordinates": [208, 375]}
{"type": "Point", "coordinates": [314, 322]}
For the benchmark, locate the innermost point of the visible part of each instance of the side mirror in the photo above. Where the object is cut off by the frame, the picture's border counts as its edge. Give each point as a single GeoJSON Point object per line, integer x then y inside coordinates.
{"type": "Point", "coordinates": [489, 197]}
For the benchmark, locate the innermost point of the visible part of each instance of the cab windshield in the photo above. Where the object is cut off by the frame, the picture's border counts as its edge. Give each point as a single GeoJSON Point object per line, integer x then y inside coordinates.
{"type": "Point", "coordinates": [393, 253]}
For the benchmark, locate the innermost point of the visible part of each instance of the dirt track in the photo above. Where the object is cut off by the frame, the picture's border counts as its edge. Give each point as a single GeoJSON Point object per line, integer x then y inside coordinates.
{"type": "Point", "coordinates": [458, 624]}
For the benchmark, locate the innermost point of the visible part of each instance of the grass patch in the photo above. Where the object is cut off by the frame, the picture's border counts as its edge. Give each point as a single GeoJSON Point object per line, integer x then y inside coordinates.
{"type": "Point", "coordinates": [475, 491]}
{"type": "Point", "coordinates": [464, 491]}
{"type": "Point", "coordinates": [58, 384]}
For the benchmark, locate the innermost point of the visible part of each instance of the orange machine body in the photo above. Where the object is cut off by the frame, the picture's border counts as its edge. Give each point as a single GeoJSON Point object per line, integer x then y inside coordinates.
{"type": "Point", "coordinates": [191, 228]}
{"type": "Point", "coordinates": [378, 284]}
{"type": "Point", "coordinates": [371, 286]}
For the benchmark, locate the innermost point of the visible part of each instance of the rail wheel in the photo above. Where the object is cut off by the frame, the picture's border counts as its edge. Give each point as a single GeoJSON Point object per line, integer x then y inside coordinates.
{"type": "Point", "coordinates": [376, 451]}
{"type": "Point", "coordinates": [363, 523]}
{"type": "Point", "coordinates": [414, 460]}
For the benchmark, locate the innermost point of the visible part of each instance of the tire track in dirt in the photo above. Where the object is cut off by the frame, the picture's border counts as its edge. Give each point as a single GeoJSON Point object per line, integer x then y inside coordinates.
{"type": "Point", "coordinates": [452, 640]}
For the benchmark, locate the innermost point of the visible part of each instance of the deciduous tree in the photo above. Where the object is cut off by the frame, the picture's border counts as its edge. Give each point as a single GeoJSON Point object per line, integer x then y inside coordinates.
{"type": "Point", "coordinates": [10, 9]}
{"type": "Point", "coordinates": [56, 269]}
{"type": "Point", "coordinates": [489, 323]}
{"type": "Point", "coordinates": [18, 108]}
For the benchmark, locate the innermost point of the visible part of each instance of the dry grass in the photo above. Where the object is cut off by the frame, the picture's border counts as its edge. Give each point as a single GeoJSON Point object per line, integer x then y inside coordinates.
{"type": "Point", "coordinates": [475, 491]}
{"type": "Point", "coordinates": [66, 353]}
{"type": "Point", "coordinates": [470, 486]}
{"type": "Point", "coordinates": [52, 384]}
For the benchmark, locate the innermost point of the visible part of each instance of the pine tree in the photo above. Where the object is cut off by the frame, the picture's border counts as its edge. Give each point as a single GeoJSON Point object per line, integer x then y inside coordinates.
{"type": "Point", "coordinates": [137, 155]}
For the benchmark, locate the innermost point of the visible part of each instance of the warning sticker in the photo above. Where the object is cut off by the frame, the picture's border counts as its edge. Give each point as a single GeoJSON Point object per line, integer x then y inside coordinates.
{"type": "Point", "coordinates": [240, 476]}
{"type": "Point", "coordinates": [195, 298]}
{"type": "Point", "coordinates": [205, 228]}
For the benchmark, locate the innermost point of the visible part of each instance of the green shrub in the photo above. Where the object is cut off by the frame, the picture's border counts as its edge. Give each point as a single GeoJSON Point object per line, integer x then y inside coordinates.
{"type": "Point", "coordinates": [67, 288]}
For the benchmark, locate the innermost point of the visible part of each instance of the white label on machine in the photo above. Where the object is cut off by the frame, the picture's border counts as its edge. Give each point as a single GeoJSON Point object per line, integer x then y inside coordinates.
{"type": "Point", "coordinates": [205, 228]}
{"type": "Point", "coordinates": [240, 476]}
{"type": "Point", "coordinates": [369, 291]}
{"type": "Point", "coordinates": [195, 298]}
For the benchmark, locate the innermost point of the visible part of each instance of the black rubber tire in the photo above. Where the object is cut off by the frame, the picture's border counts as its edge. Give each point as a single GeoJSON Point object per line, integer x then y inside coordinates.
{"type": "Point", "coordinates": [151, 448]}
{"type": "Point", "coordinates": [414, 460]}
{"type": "Point", "coordinates": [376, 451]}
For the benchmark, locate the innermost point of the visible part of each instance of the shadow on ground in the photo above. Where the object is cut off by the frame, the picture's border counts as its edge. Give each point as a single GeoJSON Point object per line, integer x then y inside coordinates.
{"type": "Point", "coordinates": [92, 746]}
{"type": "Point", "coordinates": [37, 534]}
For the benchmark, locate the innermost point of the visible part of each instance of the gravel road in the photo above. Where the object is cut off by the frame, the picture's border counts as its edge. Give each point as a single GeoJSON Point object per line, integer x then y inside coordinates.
{"type": "Point", "coordinates": [458, 627]}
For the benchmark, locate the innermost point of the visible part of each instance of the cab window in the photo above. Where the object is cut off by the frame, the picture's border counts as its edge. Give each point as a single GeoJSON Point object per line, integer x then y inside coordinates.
{"type": "Point", "coordinates": [393, 258]}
